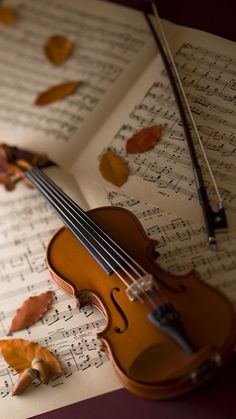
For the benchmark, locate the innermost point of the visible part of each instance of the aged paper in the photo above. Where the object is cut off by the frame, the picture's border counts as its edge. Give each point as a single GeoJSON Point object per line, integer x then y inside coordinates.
{"type": "Point", "coordinates": [26, 225]}
{"type": "Point", "coordinates": [181, 243]}
{"type": "Point", "coordinates": [110, 51]}
{"type": "Point", "coordinates": [120, 50]}
{"type": "Point", "coordinates": [163, 176]}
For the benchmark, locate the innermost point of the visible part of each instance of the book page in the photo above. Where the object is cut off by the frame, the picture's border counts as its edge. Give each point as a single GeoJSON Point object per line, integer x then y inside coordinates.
{"type": "Point", "coordinates": [163, 176]}
{"type": "Point", "coordinates": [27, 223]}
{"type": "Point", "coordinates": [181, 243]}
{"type": "Point", "coordinates": [65, 330]}
{"type": "Point", "coordinates": [159, 177]}
{"type": "Point", "coordinates": [112, 45]}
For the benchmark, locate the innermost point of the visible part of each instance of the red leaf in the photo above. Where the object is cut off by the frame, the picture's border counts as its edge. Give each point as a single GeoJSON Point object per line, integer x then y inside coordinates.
{"type": "Point", "coordinates": [31, 310]}
{"type": "Point", "coordinates": [143, 140]}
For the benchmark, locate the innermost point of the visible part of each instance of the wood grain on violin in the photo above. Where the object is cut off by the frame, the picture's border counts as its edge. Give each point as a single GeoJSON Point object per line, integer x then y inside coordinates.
{"type": "Point", "coordinates": [165, 334]}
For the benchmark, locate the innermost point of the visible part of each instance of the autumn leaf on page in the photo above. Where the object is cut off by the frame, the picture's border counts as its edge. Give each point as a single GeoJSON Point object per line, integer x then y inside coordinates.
{"type": "Point", "coordinates": [31, 311]}
{"type": "Point", "coordinates": [56, 93]}
{"type": "Point", "coordinates": [58, 49]}
{"type": "Point", "coordinates": [113, 168]}
{"type": "Point", "coordinates": [30, 360]}
{"type": "Point", "coordinates": [13, 162]}
{"type": "Point", "coordinates": [19, 354]}
{"type": "Point", "coordinates": [144, 140]}
{"type": "Point", "coordinates": [7, 16]}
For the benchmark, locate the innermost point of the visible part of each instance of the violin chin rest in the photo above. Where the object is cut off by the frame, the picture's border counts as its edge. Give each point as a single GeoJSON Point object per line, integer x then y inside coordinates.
{"type": "Point", "coordinates": [165, 362]}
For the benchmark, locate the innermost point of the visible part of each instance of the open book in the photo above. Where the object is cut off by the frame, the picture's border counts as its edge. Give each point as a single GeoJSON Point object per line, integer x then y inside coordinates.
{"type": "Point", "coordinates": [124, 88]}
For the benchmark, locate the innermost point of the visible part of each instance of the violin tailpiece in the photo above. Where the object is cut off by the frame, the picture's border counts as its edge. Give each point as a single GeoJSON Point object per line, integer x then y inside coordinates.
{"type": "Point", "coordinates": [167, 319]}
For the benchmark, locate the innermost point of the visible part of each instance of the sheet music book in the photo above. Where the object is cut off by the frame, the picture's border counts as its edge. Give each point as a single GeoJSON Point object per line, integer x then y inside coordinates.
{"type": "Point", "coordinates": [124, 88]}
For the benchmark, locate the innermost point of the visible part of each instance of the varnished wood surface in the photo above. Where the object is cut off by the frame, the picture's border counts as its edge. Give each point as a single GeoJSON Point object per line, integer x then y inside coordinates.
{"type": "Point", "coordinates": [215, 400]}
{"type": "Point", "coordinates": [207, 317]}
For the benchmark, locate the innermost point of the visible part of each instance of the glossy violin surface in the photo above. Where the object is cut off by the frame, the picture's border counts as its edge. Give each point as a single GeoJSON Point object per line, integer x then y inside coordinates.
{"type": "Point", "coordinates": [165, 334]}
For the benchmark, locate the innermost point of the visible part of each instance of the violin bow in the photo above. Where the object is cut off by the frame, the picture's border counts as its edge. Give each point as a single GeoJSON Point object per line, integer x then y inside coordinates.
{"type": "Point", "coordinates": [214, 220]}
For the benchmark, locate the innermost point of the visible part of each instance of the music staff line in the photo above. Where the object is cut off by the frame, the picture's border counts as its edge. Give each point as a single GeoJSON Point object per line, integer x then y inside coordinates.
{"type": "Point", "coordinates": [195, 55]}
{"type": "Point", "coordinates": [54, 315]}
{"type": "Point", "coordinates": [182, 240]}
{"type": "Point", "coordinates": [42, 237]}
{"type": "Point", "coordinates": [71, 367]}
{"type": "Point", "coordinates": [45, 220]}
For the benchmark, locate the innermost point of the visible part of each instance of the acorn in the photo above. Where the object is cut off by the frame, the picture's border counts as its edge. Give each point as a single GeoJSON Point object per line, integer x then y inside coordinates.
{"type": "Point", "coordinates": [24, 381]}
{"type": "Point", "coordinates": [42, 368]}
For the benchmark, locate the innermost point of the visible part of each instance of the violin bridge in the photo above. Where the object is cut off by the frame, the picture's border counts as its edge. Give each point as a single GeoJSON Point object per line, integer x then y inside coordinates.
{"type": "Point", "coordinates": [139, 286]}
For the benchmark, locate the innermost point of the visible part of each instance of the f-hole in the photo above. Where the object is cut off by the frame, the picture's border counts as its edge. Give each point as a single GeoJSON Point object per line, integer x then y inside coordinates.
{"type": "Point", "coordinates": [119, 309]}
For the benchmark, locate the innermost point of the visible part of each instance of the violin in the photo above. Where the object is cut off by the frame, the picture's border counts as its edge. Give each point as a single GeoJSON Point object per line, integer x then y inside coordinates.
{"type": "Point", "coordinates": [165, 334]}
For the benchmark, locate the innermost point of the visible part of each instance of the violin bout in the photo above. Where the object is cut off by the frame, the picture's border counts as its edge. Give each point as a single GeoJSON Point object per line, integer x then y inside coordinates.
{"type": "Point", "coordinates": [156, 360]}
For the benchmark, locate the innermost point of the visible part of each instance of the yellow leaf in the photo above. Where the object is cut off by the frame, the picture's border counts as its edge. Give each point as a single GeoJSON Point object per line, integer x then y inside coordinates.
{"type": "Point", "coordinates": [7, 16]}
{"type": "Point", "coordinates": [56, 93]}
{"type": "Point", "coordinates": [113, 168]}
{"type": "Point", "coordinates": [58, 48]}
{"type": "Point", "coordinates": [19, 353]}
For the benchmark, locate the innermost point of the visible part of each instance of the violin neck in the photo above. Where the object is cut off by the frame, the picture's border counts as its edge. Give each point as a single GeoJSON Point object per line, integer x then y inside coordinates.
{"type": "Point", "coordinates": [96, 241]}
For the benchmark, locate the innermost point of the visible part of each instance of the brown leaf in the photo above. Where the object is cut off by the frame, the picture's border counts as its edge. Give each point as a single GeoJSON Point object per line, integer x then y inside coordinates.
{"type": "Point", "coordinates": [58, 48]}
{"type": "Point", "coordinates": [7, 16]}
{"type": "Point", "coordinates": [13, 159]}
{"type": "Point", "coordinates": [31, 311]}
{"type": "Point", "coordinates": [56, 93]}
{"type": "Point", "coordinates": [10, 175]}
{"type": "Point", "coordinates": [19, 354]}
{"type": "Point", "coordinates": [113, 168]}
{"type": "Point", "coordinates": [143, 140]}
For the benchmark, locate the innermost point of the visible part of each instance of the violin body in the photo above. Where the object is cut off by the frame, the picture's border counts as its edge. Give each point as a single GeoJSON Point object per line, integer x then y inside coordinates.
{"type": "Point", "coordinates": [149, 362]}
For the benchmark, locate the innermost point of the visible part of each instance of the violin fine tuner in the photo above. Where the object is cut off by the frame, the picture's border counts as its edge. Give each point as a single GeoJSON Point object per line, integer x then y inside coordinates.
{"type": "Point", "coordinates": [165, 334]}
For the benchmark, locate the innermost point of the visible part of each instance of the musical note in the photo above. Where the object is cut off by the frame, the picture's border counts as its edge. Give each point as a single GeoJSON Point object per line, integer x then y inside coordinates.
{"type": "Point", "coordinates": [163, 175]}
{"type": "Point", "coordinates": [106, 48]}
{"type": "Point", "coordinates": [66, 330]}
{"type": "Point", "coordinates": [182, 246]}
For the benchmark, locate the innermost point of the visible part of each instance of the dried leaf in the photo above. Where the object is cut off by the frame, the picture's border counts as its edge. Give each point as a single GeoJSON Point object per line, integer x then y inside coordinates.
{"type": "Point", "coordinates": [113, 168]}
{"type": "Point", "coordinates": [7, 16]}
{"type": "Point", "coordinates": [58, 48]}
{"type": "Point", "coordinates": [143, 140]}
{"type": "Point", "coordinates": [56, 93]}
{"type": "Point", "coordinates": [31, 311]}
{"type": "Point", "coordinates": [19, 354]}
{"type": "Point", "coordinates": [11, 173]}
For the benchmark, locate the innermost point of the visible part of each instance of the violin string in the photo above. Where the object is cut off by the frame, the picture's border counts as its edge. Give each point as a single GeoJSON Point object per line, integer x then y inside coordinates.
{"type": "Point", "coordinates": [63, 215]}
{"type": "Point", "coordinates": [51, 198]}
{"type": "Point", "coordinates": [101, 233]}
{"type": "Point", "coordinates": [88, 221]}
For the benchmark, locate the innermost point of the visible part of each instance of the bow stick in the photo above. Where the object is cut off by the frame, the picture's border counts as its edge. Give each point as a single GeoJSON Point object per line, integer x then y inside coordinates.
{"type": "Point", "coordinates": [214, 220]}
